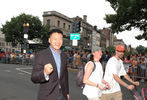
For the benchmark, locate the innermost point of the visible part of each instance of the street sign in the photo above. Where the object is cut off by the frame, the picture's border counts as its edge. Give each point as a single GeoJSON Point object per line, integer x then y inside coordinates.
{"type": "Point", "coordinates": [74, 42]}
{"type": "Point", "coordinates": [24, 51]}
{"type": "Point", "coordinates": [74, 36]}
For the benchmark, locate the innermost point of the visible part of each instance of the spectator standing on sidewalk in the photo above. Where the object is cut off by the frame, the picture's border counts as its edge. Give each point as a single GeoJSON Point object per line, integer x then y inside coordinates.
{"type": "Point", "coordinates": [88, 55]}
{"type": "Point", "coordinates": [84, 58]}
{"type": "Point", "coordinates": [115, 69]}
{"type": "Point", "coordinates": [93, 79]}
{"type": "Point", "coordinates": [74, 59]}
{"type": "Point", "coordinates": [134, 64]}
{"type": "Point", "coordinates": [50, 70]}
{"type": "Point", "coordinates": [77, 61]}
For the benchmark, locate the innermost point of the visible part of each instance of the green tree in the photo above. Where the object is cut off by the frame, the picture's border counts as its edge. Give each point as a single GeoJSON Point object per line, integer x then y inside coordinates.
{"type": "Point", "coordinates": [129, 14]}
{"type": "Point", "coordinates": [110, 50]}
{"type": "Point", "coordinates": [128, 53]}
{"type": "Point", "coordinates": [14, 29]}
{"type": "Point", "coordinates": [145, 50]}
{"type": "Point", "coordinates": [140, 49]}
{"type": "Point", "coordinates": [45, 34]}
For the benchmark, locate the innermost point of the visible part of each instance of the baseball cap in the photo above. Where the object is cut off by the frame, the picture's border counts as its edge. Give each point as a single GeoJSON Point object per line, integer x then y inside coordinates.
{"type": "Point", "coordinates": [96, 48]}
{"type": "Point", "coordinates": [120, 48]}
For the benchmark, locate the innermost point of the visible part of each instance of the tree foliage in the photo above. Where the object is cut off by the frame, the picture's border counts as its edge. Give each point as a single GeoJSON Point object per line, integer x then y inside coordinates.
{"type": "Point", "coordinates": [141, 49]}
{"type": "Point", "coordinates": [110, 50]}
{"type": "Point", "coordinates": [128, 53]}
{"type": "Point", "coordinates": [129, 14]}
{"type": "Point", "coordinates": [45, 34]}
{"type": "Point", "coordinates": [14, 29]}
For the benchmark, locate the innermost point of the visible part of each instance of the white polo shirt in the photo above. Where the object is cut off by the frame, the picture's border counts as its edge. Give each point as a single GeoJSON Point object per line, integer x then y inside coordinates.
{"type": "Point", "coordinates": [113, 66]}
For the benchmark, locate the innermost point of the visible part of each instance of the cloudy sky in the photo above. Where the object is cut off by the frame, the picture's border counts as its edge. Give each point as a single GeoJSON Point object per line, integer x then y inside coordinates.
{"type": "Point", "coordinates": [94, 9]}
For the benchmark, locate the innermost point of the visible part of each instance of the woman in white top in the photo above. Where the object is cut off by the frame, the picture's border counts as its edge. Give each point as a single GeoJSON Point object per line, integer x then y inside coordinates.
{"type": "Point", "coordinates": [93, 79]}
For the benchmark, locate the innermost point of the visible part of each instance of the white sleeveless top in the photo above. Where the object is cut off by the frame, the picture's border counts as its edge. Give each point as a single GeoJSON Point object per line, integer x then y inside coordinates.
{"type": "Point", "coordinates": [96, 77]}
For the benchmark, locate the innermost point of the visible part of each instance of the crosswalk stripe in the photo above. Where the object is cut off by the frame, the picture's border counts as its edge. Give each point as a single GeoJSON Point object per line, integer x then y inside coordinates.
{"type": "Point", "coordinates": [21, 69]}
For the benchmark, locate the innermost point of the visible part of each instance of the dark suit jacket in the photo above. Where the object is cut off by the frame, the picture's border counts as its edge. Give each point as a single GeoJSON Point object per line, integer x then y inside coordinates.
{"type": "Point", "coordinates": [49, 90]}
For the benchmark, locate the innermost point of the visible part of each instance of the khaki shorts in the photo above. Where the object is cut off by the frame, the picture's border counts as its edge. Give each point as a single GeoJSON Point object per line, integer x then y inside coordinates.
{"type": "Point", "coordinates": [112, 96]}
{"type": "Point", "coordinates": [93, 99]}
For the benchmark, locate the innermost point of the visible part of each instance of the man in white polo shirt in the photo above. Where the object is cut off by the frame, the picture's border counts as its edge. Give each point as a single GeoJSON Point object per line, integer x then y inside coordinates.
{"type": "Point", "coordinates": [115, 69]}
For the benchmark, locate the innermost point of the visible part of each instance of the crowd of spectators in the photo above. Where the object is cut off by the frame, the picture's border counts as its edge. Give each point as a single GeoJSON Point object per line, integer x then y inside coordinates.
{"type": "Point", "coordinates": [77, 59]}
{"type": "Point", "coordinates": [135, 65]}
{"type": "Point", "coordinates": [17, 58]}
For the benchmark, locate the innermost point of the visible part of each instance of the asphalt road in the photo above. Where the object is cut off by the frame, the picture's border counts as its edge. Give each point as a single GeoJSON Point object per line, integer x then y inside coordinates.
{"type": "Point", "coordinates": [15, 84]}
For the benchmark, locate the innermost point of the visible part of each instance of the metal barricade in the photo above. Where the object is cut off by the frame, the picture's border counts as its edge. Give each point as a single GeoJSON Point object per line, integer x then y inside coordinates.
{"type": "Point", "coordinates": [140, 72]}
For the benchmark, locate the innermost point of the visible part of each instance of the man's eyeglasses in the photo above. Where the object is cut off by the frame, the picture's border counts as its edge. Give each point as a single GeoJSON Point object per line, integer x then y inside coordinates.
{"type": "Point", "coordinates": [120, 51]}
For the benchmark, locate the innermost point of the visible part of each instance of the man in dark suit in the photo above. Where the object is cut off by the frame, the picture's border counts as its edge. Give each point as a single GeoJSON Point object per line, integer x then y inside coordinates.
{"type": "Point", "coordinates": [50, 70]}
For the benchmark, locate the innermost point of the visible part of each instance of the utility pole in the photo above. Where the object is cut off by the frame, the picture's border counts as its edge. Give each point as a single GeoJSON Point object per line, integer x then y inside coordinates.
{"type": "Point", "coordinates": [26, 28]}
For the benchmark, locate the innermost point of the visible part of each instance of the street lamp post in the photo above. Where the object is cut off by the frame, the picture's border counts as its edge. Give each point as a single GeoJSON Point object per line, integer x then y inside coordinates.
{"type": "Point", "coordinates": [26, 28]}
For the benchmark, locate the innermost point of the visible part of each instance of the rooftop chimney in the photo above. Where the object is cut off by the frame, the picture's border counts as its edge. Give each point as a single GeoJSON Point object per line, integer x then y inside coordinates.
{"type": "Point", "coordinates": [85, 18]}
{"type": "Point", "coordinates": [95, 27]}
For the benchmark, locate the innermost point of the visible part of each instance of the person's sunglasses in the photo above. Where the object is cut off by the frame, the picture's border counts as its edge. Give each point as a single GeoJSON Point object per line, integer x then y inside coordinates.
{"type": "Point", "coordinates": [120, 51]}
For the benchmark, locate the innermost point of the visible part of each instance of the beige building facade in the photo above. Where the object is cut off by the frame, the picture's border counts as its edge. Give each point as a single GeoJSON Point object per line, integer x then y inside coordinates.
{"type": "Point", "coordinates": [118, 41]}
{"type": "Point", "coordinates": [85, 41]}
{"type": "Point", "coordinates": [6, 46]}
{"type": "Point", "coordinates": [57, 20]}
{"type": "Point", "coordinates": [96, 38]}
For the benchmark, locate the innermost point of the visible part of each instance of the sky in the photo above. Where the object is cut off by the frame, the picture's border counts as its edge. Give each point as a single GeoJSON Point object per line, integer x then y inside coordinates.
{"type": "Point", "coordinates": [94, 9]}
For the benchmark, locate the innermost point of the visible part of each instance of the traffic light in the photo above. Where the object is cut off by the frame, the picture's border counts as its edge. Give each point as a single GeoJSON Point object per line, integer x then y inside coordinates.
{"type": "Point", "coordinates": [78, 26]}
{"type": "Point", "coordinates": [74, 27]}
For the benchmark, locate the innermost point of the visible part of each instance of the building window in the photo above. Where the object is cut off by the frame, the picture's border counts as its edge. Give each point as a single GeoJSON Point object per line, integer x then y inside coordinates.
{"type": "Point", "coordinates": [13, 50]}
{"type": "Point", "coordinates": [58, 23]}
{"type": "Point", "coordinates": [9, 44]}
{"type": "Point", "coordinates": [64, 25]}
{"type": "Point", "coordinates": [48, 22]}
{"type": "Point", "coordinates": [3, 44]}
{"type": "Point", "coordinates": [68, 27]}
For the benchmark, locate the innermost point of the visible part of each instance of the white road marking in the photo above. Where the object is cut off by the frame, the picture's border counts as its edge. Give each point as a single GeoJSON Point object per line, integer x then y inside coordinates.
{"type": "Point", "coordinates": [7, 70]}
{"type": "Point", "coordinates": [21, 73]}
{"type": "Point", "coordinates": [22, 70]}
